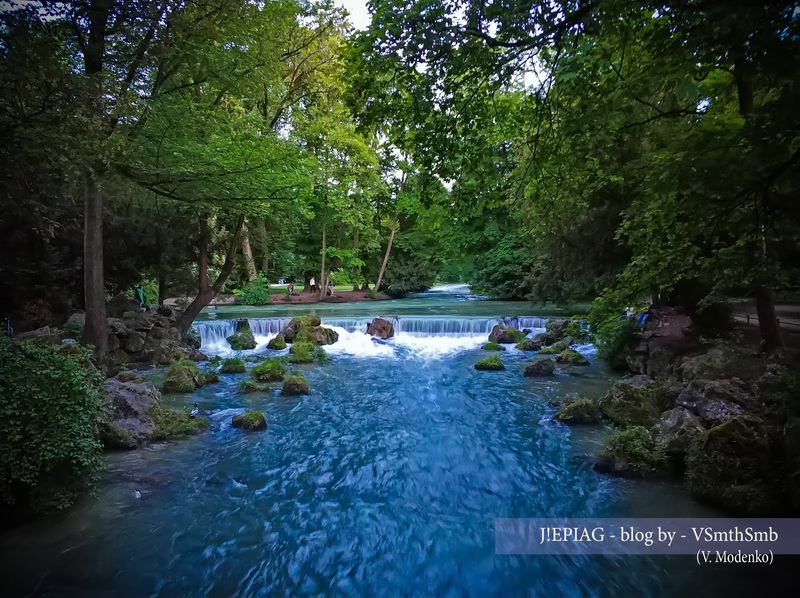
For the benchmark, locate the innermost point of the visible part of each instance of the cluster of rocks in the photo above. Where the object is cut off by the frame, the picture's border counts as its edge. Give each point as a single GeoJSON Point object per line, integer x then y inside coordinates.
{"type": "Point", "coordinates": [684, 412]}
{"type": "Point", "coordinates": [135, 335]}
{"type": "Point", "coordinates": [554, 341]}
{"type": "Point", "coordinates": [135, 415]}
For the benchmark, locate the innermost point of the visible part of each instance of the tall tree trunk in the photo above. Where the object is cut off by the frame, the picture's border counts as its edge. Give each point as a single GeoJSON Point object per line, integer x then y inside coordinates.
{"type": "Point", "coordinates": [206, 292]}
{"type": "Point", "coordinates": [264, 248]}
{"type": "Point", "coordinates": [386, 255]}
{"type": "Point", "coordinates": [354, 270]}
{"type": "Point", "coordinates": [321, 281]}
{"type": "Point", "coordinates": [765, 307]}
{"type": "Point", "coordinates": [247, 251]}
{"type": "Point", "coordinates": [95, 330]}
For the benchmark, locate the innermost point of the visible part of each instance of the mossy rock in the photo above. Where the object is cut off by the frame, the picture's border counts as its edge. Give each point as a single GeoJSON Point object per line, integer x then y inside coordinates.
{"type": "Point", "coordinates": [581, 411]}
{"type": "Point", "coordinates": [277, 344]}
{"type": "Point", "coordinates": [492, 363]}
{"type": "Point", "coordinates": [127, 376]}
{"type": "Point", "coordinates": [529, 345]}
{"type": "Point", "coordinates": [731, 466]}
{"type": "Point", "coordinates": [114, 437]}
{"type": "Point", "coordinates": [539, 367]}
{"type": "Point", "coordinates": [210, 376]}
{"type": "Point", "coordinates": [295, 385]}
{"type": "Point", "coordinates": [557, 348]}
{"type": "Point", "coordinates": [192, 338]}
{"type": "Point", "coordinates": [571, 357]}
{"type": "Point", "coordinates": [171, 423]}
{"type": "Point", "coordinates": [242, 340]}
{"type": "Point", "coordinates": [301, 352]}
{"type": "Point", "coordinates": [631, 453]}
{"type": "Point", "coordinates": [183, 376]}
{"type": "Point", "coordinates": [493, 346]}
{"type": "Point", "coordinates": [629, 405]}
{"type": "Point", "coordinates": [506, 335]}
{"type": "Point", "coordinates": [233, 366]}
{"type": "Point", "coordinates": [250, 420]}
{"type": "Point", "coordinates": [271, 370]}
{"type": "Point", "coordinates": [308, 329]}
{"type": "Point", "coordinates": [248, 386]}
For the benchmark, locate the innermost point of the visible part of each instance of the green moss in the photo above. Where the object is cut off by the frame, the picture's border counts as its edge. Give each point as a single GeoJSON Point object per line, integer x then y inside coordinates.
{"type": "Point", "coordinates": [628, 405]}
{"type": "Point", "coordinates": [493, 346]}
{"type": "Point", "coordinates": [241, 340]}
{"type": "Point", "coordinates": [295, 385]}
{"type": "Point", "coordinates": [252, 386]}
{"type": "Point", "coordinates": [250, 420]}
{"type": "Point", "coordinates": [492, 362]}
{"type": "Point", "coordinates": [301, 352]}
{"type": "Point", "coordinates": [320, 355]}
{"type": "Point", "coordinates": [210, 376]}
{"type": "Point", "coordinates": [631, 452]}
{"type": "Point", "coordinates": [233, 366]}
{"type": "Point", "coordinates": [183, 376]}
{"type": "Point", "coordinates": [171, 423]}
{"type": "Point", "coordinates": [579, 411]}
{"type": "Point", "coordinates": [272, 370]}
{"type": "Point", "coordinates": [529, 345]}
{"type": "Point", "coordinates": [114, 437]}
{"type": "Point", "coordinates": [571, 357]}
{"type": "Point", "coordinates": [278, 343]}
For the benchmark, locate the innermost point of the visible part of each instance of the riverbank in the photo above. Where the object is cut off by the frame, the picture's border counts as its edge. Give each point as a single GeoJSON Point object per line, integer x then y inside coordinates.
{"type": "Point", "coordinates": [297, 298]}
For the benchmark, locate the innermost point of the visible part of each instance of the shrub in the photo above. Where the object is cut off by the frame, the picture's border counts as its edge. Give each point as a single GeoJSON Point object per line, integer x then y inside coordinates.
{"type": "Point", "coordinates": [320, 355]}
{"type": "Point", "coordinates": [272, 370]}
{"type": "Point", "coordinates": [490, 363]}
{"type": "Point", "coordinates": [295, 385]}
{"type": "Point", "coordinates": [493, 346]}
{"type": "Point", "coordinates": [301, 352]}
{"type": "Point", "coordinates": [171, 423]}
{"type": "Point", "coordinates": [612, 336]}
{"type": "Point", "coordinates": [278, 343]}
{"type": "Point", "coordinates": [255, 292]}
{"type": "Point", "coordinates": [233, 366]}
{"type": "Point", "coordinates": [48, 414]}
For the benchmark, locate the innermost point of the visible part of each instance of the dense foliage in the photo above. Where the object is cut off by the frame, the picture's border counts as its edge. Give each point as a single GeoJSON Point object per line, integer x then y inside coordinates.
{"type": "Point", "coordinates": [48, 417]}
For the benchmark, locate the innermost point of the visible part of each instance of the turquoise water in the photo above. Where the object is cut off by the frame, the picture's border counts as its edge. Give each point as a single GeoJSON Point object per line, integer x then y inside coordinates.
{"type": "Point", "coordinates": [385, 481]}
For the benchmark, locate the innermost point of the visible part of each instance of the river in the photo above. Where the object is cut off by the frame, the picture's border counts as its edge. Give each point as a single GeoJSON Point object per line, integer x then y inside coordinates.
{"type": "Point", "coordinates": [385, 481]}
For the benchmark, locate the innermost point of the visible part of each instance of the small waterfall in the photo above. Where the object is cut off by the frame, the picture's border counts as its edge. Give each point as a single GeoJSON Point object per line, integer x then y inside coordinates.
{"type": "Point", "coordinates": [444, 326]}
{"type": "Point", "coordinates": [267, 326]}
{"type": "Point", "coordinates": [523, 322]}
{"type": "Point", "coordinates": [351, 324]}
{"type": "Point", "coordinates": [214, 331]}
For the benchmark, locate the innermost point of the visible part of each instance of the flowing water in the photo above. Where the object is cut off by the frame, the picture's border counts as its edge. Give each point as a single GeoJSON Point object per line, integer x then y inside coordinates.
{"type": "Point", "coordinates": [385, 481]}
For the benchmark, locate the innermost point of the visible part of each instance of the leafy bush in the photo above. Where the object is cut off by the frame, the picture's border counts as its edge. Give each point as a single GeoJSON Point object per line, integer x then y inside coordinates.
{"type": "Point", "coordinates": [255, 292]}
{"type": "Point", "coordinates": [612, 336]}
{"type": "Point", "coordinates": [635, 445]}
{"type": "Point", "coordinates": [492, 362]}
{"type": "Point", "coordinates": [171, 423]}
{"type": "Point", "coordinates": [301, 352]}
{"type": "Point", "coordinates": [48, 414]}
{"type": "Point", "coordinates": [272, 370]}
{"type": "Point", "coordinates": [493, 346]}
{"type": "Point", "coordinates": [233, 366]}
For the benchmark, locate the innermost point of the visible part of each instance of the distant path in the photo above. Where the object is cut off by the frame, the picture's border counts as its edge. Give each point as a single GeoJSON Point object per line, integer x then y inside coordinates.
{"type": "Point", "coordinates": [300, 298]}
{"type": "Point", "coordinates": [787, 314]}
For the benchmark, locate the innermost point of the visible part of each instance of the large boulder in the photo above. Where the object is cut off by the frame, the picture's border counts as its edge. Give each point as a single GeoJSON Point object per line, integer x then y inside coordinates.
{"type": "Point", "coordinates": [504, 335]}
{"type": "Point", "coordinates": [557, 328]}
{"type": "Point", "coordinates": [277, 344]}
{"type": "Point", "coordinates": [491, 363]}
{"type": "Point", "coordinates": [250, 420]}
{"type": "Point", "coordinates": [126, 409]}
{"type": "Point", "coordinates": [539, 367]}
{"type": "Point", "coordinates": [167, 311]}
{"type": "Point", "coordinates": [529, 344]}
{"type": "Point", "coordinates": [191, 337]}
{"type": "Point", "coordinates": [545, 338]}
{"type": "Point", "coordinates": [137, 320]}
{"type": "Point", "coordinates": [295, 385]}
{"type": "Point", "coordinates": [579, 411]}
{"type": "Point", "coordinates": [630, 453]}
{"type": "Point", "coordinates": [571, 357]}
{"type": "Point", "coordinates": [558, 347]}
{"type": "Point", "coordinates": [657, 356]}
{"type": "Point", "coordinates": [629, 405]}
{"type": "Point", "coordinates": [714, 363]}
{"type": "Point", "coordinates": [675, 432]}
{"type": "Point", "coordinates": [182, 377]}
{"type": "Point", "coordinates": [717, 401]}
{"type": "Point", "coordinates": [241, 340]}
{"type": "Point", "coordinates": [381, 327]}
{"type": "Point", "coordinates": [119, 304]}
{"type": "Point", "coordinates": [308, 330]}
{"type": "Point", "coordinates": [134, 342]}
{"type": "Point", "coordinates": [169, 351]}
{"type": "Point", "coordinates": [730, 466]}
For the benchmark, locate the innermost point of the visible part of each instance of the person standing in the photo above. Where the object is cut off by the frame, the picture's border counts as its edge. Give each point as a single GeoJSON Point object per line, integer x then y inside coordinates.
{"type": "Point", "coordinates": [313, 284]}
{"type": "Point", "coordinates": [138, 295]}
{"type": "Point", "coordinates": [290, 288]}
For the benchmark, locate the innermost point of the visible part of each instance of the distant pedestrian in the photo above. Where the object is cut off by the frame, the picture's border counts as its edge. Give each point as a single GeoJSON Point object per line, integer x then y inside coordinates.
{"type": "Point", "coordinates": [290, 288]}
{"type": "Point", "coordinates": [313, 285]}
{"type": "Point", "coordinates": [138, 296]}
